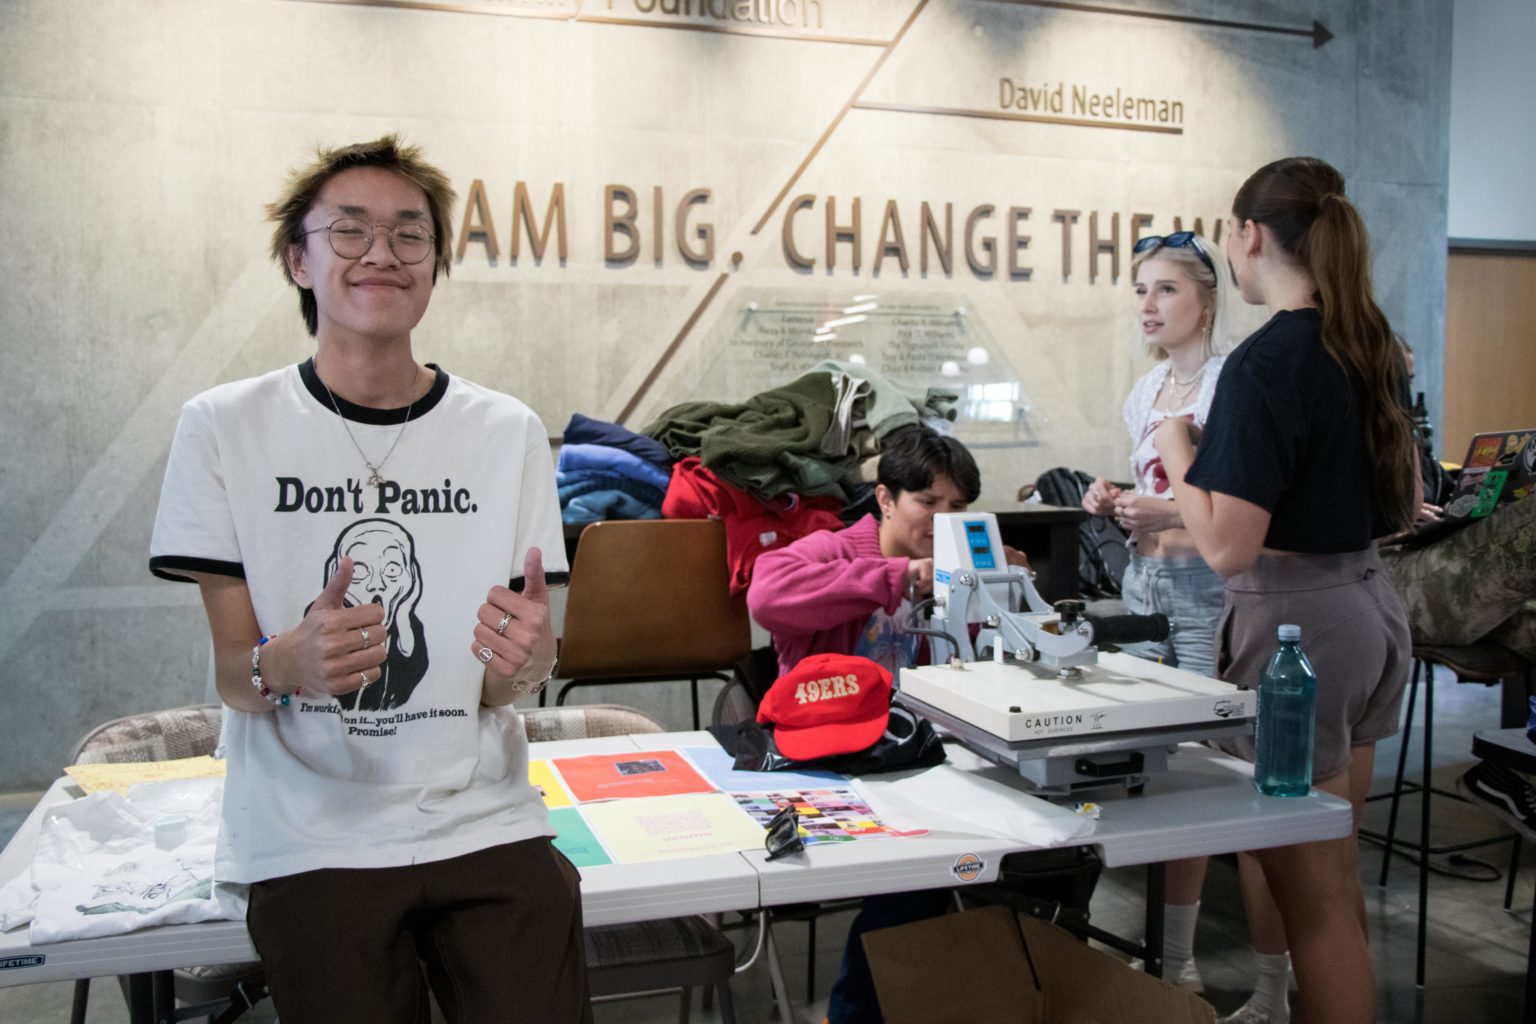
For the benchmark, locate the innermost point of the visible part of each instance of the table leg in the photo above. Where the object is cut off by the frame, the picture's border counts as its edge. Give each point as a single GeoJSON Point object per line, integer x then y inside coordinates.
{"type": "Point", "coordinates": [151, 997]}
{"type": "Point", "coordinates": [141, 999]}
{"type": "Point", "coordinates": [1530, 967]}
{"type": "Point", "coordinates": [1156, 893]}
{"type": "Point", "coordinates": [776, 977]}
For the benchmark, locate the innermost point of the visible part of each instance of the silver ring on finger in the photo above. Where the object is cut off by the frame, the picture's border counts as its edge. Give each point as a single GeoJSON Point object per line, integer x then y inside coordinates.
{"type": "Point", "coordinates": [366, 681]}
{"type": "Point", "coordinates": [486, 654]}
{"type": "Point", "coordinates": [501, 627]}
{"type": "Point", "coordinates": [366, 640]}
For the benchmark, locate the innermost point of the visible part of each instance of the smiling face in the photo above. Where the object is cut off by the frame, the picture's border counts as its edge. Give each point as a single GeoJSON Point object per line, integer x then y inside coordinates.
{"type": "Point", "coordinates": [1171, 308]}
{"type": "Point", "coordinates": [906, 517]}
{"type": "Point", "coordinates": [376, 296]}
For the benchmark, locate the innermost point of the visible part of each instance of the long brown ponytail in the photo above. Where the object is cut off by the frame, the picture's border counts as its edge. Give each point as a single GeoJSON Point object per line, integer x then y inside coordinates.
{"type": "Point", "coordinates": [1301, 200]}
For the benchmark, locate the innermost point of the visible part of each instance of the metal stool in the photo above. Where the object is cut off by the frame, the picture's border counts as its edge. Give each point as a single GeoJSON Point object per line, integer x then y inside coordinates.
{"type": "Point", "coordinates": [1474, 663]}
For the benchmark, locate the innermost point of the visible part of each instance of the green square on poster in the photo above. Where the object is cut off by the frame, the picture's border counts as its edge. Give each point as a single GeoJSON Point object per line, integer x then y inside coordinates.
{"type": "Point", "coordinates": [574, 839]}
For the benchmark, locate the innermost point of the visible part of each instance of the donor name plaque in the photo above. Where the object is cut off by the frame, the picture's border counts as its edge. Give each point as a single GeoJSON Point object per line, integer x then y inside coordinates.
{"type": "Point", "coordinates": [919, 342]}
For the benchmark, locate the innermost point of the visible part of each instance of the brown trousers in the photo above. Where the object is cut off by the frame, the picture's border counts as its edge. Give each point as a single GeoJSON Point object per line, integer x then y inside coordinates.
{"type": "Point", "coordinates": [498, 932]}
{"type": "Point", "coordinates": [1353, 629]}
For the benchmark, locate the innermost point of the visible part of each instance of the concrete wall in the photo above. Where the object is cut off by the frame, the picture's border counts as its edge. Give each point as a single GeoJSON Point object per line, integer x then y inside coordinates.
{"type": "Point", "coordinates": [140, 138]}
{"type": "Point", "coordinates": [1493, 85]}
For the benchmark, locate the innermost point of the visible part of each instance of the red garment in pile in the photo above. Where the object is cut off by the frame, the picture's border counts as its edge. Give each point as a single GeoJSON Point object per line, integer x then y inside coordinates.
{"type": "Point", "coordinates": [752, 525]}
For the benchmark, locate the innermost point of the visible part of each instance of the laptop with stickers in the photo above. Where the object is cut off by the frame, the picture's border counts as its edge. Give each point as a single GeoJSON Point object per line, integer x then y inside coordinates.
{"type": "Point", "coordinates": [1500, 467]}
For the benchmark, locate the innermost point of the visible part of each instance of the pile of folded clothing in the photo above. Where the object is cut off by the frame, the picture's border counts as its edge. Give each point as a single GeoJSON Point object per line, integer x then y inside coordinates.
{"type": "Point", "coordinates": [774, 468]}
{"type": "Point", "coordinates": [806, 437]}
{"type": "Point", "coordinates": [608, 472]}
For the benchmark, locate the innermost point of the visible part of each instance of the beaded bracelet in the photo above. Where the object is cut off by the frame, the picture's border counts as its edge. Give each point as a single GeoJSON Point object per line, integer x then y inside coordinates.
{"type": "Point", "coordinates": [280, 699]}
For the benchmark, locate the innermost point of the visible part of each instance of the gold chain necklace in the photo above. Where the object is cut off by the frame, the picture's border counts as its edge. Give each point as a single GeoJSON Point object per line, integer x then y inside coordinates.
{"type": "Point", "coordinates": [1176, 392]}
{"type": "Point", "coordinates": [375, 477]}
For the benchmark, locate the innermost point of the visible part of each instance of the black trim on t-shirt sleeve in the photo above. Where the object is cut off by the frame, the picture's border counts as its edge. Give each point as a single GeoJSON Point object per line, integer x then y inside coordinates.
{"type": "Point", "coordinates": [166, 567]}
{"type": "Point", "coordinates": [552, 580]}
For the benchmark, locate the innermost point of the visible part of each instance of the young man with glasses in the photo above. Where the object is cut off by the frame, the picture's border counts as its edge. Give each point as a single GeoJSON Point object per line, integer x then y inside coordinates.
{"type": "Point", "coordinates": [367, 532]}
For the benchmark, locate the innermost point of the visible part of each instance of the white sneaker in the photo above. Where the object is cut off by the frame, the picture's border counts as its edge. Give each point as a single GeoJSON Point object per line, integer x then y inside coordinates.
{"type": "Point", "coordinates": [1189, 976]}
{"type": "Point", "coordinates": [1250, 1014]}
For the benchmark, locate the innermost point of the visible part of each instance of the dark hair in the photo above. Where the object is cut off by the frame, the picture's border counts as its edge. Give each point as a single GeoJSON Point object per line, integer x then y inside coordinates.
{"type": "Point", "coordinates": [911, 457]}
{"type": "Point", "coordinates": [1301, 200]}
{"type": "Point", "coordinates": [304, 184]}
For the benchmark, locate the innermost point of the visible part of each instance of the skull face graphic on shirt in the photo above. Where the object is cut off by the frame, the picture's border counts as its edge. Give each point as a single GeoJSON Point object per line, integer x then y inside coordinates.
{"type": "Point", "coordinates": [385, 572]}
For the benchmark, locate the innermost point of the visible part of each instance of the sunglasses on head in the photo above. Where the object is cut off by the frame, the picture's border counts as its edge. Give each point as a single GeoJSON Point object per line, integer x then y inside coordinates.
{"type": "Point", "coordinates": [783, 834]}
{"type": "Point", "coordinates": [1177, 240]}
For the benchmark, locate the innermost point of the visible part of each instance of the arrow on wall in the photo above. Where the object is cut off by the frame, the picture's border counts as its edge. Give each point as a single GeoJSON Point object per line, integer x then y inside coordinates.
{"type": "Point", "coordinates": [1318, 33]}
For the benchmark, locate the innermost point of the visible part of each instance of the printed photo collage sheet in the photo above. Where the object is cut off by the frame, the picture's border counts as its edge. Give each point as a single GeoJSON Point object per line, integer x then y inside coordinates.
{"type": "Point", "coordinates": [637, 806]}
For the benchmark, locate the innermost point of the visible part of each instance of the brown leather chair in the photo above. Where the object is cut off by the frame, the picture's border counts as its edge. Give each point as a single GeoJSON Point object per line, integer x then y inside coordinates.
{"type": "Point", "coordinates": [650, 601]}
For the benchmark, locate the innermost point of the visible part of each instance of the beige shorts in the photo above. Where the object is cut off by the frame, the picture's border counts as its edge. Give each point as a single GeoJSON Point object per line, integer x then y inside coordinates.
{"type": "Point", "coordinates": [1354, 630]}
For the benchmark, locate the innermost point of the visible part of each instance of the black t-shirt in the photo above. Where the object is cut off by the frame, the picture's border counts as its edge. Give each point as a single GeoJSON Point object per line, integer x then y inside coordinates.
{"type": "Point", "coordinates": [1286, 433]}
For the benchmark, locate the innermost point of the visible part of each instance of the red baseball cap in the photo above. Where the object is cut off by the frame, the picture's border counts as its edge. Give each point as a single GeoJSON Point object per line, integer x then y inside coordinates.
{"type": "Point", "coordinates": [828, 704]}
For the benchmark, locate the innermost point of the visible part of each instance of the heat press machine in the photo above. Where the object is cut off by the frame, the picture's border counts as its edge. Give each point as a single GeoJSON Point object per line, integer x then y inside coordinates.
{"type": "Point", "coordinates": [1031, 688]}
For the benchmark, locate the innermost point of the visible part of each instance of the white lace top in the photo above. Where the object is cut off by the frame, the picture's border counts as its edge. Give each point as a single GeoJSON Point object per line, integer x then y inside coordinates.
{"type": "Point", "coordinates": [1141, 420]}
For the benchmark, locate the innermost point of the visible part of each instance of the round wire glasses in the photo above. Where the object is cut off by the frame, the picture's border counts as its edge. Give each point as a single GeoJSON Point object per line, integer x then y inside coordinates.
{"type": "Point", "coordinates": [351, 239]}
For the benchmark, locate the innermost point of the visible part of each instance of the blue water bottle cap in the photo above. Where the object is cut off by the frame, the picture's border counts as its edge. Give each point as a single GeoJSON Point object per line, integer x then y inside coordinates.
{"type": "Point", "coordinates": [1290, 632]}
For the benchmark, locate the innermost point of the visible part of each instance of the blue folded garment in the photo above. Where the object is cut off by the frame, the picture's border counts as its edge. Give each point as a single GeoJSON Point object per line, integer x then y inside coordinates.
{"type": "Point", "coordinates": [603, 459]}
{"type": "Point", "coordinates": [596, 506]}
{"type": "Point", "coordinates": [574, 485]}
{"type": "Point", "coordinates": [585, 430]}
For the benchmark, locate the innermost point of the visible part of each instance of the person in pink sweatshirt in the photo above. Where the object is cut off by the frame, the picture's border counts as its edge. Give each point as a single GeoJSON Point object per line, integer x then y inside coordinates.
{"type": "Point", "coordinates": [843, 592]}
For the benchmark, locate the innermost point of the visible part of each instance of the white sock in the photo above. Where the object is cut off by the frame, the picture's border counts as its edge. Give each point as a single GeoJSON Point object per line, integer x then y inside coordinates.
{"type": "Point", "coordinates": [1178, 937]}
{"type": "Point", "coordinates": [1271, 991]}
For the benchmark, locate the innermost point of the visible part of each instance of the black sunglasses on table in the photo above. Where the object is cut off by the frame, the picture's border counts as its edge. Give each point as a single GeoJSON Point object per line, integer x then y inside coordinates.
{"type": "Point", "coordinates": [1177, 240]}
{"type": "Point", "coordinates": [783, 835]}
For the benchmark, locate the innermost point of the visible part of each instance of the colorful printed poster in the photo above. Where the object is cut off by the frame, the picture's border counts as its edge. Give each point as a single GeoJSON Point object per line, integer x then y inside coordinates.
{"type": "Point", "coordinates": [638, 774]}
{"type": "Point", "coordinates": [543, 777]}
{"type": "Point", "coordinates": [719, 767]}
{"type": "Point", "coordinates": [669, 827]}
{"type": "Point", "coordinates": [574, 838]}
{"type": "Point", "coordinates": [826, 815]}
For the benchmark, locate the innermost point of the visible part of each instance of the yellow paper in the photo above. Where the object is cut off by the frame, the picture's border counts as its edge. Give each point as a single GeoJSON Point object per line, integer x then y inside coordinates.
{"type": "Point", "coordinates": [543, 778]}
{"type": "Point", "coordinates": [668, 827]}
{"type": "Point", "coordinates": [94, 778]}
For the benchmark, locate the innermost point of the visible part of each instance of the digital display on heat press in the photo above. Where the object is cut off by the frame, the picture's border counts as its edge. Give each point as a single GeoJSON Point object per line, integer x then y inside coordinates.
{"type": "Point", "coordinates": [980, 544]}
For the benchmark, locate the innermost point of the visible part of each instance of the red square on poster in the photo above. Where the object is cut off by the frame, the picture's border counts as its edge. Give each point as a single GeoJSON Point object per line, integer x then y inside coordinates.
{"type": "Point", "coordinates": [643, 773]}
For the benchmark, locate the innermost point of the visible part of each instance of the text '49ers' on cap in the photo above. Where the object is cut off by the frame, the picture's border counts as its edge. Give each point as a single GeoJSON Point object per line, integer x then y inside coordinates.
{"type": "Point", "coordinates": [828, 704]}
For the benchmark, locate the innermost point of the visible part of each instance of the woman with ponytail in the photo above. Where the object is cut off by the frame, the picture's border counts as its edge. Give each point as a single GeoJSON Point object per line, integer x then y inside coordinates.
{"type": "Point", "coordinates": [1306, 458]}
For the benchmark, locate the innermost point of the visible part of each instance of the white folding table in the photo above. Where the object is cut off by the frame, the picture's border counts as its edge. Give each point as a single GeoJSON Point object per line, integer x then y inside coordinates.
{"type": "Point", "coordinates": [1204, 804]}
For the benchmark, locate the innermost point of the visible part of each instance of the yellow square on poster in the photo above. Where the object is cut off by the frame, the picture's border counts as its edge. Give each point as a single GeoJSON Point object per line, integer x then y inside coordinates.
{"type": "Point", "coordinates": [118, 776]}
{"type": "Point", "coordinates": [549, 786]}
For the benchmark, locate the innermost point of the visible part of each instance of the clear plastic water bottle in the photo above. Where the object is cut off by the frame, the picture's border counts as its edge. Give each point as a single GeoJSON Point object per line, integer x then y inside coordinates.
{"type": "Point", "coordinates": [1287, 695]}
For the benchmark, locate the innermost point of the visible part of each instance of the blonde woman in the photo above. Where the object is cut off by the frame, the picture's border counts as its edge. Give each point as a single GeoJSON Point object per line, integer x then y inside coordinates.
{"type": "Point", "coordinates": [1181, 304]}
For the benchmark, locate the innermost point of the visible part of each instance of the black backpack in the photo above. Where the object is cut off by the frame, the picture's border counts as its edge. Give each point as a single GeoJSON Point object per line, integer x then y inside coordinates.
{"type": "Point", "coordinates": [1103, 547]}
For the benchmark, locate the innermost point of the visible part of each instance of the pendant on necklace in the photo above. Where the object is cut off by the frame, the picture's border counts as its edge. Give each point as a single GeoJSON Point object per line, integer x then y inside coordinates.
{"type": "Point", "coordinates": [374, 480]}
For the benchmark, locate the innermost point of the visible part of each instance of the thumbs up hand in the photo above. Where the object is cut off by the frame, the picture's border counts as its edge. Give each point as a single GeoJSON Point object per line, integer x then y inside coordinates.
{"type": "Point", "coordinates": [336, 649]}
{"type": "Point", "coordinates": [514, 638]}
